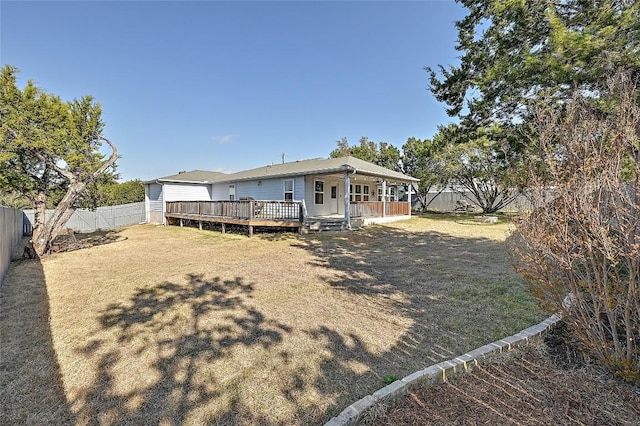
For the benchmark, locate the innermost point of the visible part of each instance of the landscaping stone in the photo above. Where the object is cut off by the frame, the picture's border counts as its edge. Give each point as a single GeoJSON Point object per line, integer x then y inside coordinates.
{"type": "Point", "coordinates": [437, 373]}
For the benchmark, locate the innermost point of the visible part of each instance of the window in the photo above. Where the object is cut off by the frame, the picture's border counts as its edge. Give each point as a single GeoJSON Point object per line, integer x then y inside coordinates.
{"type": "Point", "coordinates": [288, 190]}
{"type": "Point", "coordinates": [319, 191]}
{"type": "Point", "coordinates": [379, 193]}
{"type": "Point", "coordinates": [361, 193]}
{"type": "Point", "coordinates": [232, 192]}
{"type": "Point", "coordinates": [392, 193]}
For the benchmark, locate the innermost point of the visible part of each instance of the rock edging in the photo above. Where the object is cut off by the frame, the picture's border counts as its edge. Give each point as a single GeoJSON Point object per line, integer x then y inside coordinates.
{"type": "Point", "coordinates": [436, 373]}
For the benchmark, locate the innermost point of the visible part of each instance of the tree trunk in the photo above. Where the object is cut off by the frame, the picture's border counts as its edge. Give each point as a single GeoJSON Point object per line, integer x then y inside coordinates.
{"type": "Point", "coordinates": [39, 219]}
{"type": "Point", "coordinates": [46, 231]}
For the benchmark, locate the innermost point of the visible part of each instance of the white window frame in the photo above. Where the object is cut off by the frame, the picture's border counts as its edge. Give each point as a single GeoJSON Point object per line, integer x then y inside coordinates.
{"type": "Point", "coordinates": [392, 193]}
{"type": "Point", "coordinates": [291, 191]}
{"type": "Point", "coordinates": [316, 192]}
{"type": "Point", "coordinates": [358, 194]}
{"type": "Point", "coordinates": [365, 192]}
{"type": "Point", "coordinates": [232, 192]}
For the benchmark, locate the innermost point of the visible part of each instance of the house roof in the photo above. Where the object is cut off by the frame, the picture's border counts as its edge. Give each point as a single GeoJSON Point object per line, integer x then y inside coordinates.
{"type": "Point", "coordinates": [317, 166]}
{"type": "Point", "coordinates": [193, 176]}
{"type": "Point", "coordinates": [295, 168]}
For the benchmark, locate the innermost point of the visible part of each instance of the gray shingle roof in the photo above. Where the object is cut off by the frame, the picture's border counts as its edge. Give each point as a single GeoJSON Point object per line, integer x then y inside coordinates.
{"type": "Point", "coordinates": [294, 168]}
{"type": "Point", "coordinates": [193, 176]}
{"type": "Point", "coordinates": [317, 166]}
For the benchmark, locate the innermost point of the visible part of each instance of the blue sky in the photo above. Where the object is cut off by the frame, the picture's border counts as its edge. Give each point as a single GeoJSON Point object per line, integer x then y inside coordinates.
{"type": "Point", "coordinates": [229, 86]}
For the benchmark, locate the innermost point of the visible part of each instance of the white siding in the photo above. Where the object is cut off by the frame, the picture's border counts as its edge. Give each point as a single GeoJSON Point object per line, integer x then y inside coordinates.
{"type": "Point", "coordinates": [187, 192]}
{"type": "Point", "coordinates": [153, 200]}
{"type": "Point", "coordinates": [298, 185]}
{"type": "Point", "coordinates": [327, 208]}
{"type": "Point", "coordinates": [154, 197]}
{"type": "Point", "coordinates": [220, 191]}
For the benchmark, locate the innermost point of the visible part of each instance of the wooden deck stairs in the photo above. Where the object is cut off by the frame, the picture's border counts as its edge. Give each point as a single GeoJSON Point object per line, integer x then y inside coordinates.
{"type": "Point", "coordinates": [314, 225]}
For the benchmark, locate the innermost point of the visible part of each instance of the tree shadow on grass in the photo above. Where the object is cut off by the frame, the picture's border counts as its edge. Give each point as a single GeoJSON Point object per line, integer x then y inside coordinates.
{"type": "Point", "coordinates": [457, 294]}
{"type": "Point", "coordinates": [176, 339]}
{"type": "Point", "coordinates": [31, 388]}
{"type": "Point", "coordinates": [189, 351]}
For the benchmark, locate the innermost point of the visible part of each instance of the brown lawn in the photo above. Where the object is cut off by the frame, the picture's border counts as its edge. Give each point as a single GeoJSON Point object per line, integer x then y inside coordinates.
{"type": "Point", "coordinates": [169, 325]}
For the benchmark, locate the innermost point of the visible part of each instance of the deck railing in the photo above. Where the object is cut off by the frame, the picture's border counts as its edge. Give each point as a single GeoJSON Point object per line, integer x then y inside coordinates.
{"type": "Point", "coordinates": [396, 208]}
{"type": "Point", "coordinates": [242, 209]}
{"type": "Point", "coordinates": [375, 208]}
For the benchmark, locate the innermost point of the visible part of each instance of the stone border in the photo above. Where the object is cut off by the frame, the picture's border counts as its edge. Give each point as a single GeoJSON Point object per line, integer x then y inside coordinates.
{"type": "Point", "coordinates": [436, 373]}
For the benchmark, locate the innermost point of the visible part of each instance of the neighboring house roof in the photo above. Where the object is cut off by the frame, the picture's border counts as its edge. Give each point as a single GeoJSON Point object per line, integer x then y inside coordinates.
{"type": "Point", "coordinates": [295, 168]}
{"type": "Point", "coordinates": [193, 176]}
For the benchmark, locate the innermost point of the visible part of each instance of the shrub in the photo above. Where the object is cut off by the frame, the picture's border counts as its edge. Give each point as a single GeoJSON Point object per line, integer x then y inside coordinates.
{"type": "Point", "coordinates": [581, 242]}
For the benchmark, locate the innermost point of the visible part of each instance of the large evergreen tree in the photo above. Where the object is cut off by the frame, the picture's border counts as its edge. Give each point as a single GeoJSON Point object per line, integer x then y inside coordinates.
{"type": "Point", "coordinates": [49, 148]}
{"type": "Point", "coordinates": [513, 51]}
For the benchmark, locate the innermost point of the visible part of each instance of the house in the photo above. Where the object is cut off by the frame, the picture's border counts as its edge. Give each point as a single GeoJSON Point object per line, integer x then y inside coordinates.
{"type": "Point", "coordinates": [345, 189]}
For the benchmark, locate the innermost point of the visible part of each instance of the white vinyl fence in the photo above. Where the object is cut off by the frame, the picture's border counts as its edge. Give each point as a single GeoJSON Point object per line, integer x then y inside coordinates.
{"type": "Point", "coordinates": [10, 236]}
{"type": "Point", "coordinates": [447, 201]}
{"type": "Point", "coordinates": [86, 220]}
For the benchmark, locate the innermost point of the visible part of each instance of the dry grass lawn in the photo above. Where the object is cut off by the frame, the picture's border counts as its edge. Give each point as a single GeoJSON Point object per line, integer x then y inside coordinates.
{"type": "Point", "coordinates": [169, 325]}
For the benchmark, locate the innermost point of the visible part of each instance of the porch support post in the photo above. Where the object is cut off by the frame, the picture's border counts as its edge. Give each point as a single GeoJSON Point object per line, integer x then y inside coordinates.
{"type": "Point", "coordinates": [409, 187]}
{"type": "Point", "coordinates": [347, 196]}
{"type": "Point", "coordinates": [384, 197]}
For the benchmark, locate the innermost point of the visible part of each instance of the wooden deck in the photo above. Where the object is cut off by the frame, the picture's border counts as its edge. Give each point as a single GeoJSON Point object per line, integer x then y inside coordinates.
{"type": "Point", "coordinates": [249, 213]}
{"type": "Point", "coordinates": [274, 214]}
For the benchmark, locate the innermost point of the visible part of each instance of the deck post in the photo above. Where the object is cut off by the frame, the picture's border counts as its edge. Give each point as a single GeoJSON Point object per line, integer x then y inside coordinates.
{"type": "Point", "coordinates": [250, 230]}
{"type": "Point", "coordinates": [200, 224]}
{"type": "Point", "coordinates": [347, 196]}
{"type": "Point", "coordinates": [180, 222]}
{"type": "Point", "coordinates": [223, 228]}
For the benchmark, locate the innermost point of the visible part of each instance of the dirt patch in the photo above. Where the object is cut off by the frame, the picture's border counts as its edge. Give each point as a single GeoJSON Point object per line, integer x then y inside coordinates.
{"type": "Point", "coordinates": [73, 241]}
{"type": "Point", "coordinates": [523, 387]}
